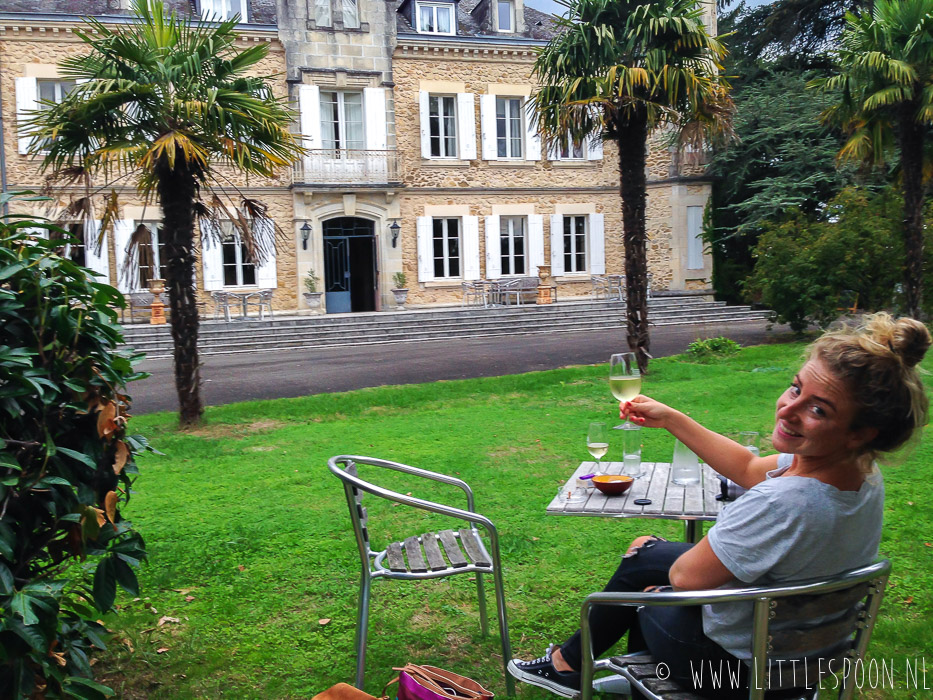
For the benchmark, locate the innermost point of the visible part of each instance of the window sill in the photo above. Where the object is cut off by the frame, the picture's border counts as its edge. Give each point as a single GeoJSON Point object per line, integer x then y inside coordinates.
{"type": "Point", "coordinates": [444, 163]}
{"type": "Point", "coordinates": [574, 277]}
{"type": "Point", "coordinates": [574, 163]}
{"type": "Point", "coordinates": [438, 284]}
{"type": "Point", "coordinates": [333, 29]}
{"type": "Point", "coordinates": [513, 163]}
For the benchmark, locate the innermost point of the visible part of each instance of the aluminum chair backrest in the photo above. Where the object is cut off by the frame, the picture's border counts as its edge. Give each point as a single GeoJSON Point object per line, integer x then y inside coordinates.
{"type": "Point", "coordinates": [856, 594]}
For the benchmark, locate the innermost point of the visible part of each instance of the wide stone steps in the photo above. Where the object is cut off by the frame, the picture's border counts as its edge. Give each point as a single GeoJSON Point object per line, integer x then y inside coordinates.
{"type": "Point", "coordinates": [429, 324]}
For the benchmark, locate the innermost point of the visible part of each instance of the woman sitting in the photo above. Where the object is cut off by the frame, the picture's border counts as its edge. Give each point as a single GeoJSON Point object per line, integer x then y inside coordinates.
{"type": "Point", "coordinates": [813, 511]}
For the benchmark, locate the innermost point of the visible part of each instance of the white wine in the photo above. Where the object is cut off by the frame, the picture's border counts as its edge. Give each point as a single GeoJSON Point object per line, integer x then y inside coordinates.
{"type": "Point", "coordinates": [625, 388]}
{"type": "Point", "coordinates": [597, 449]}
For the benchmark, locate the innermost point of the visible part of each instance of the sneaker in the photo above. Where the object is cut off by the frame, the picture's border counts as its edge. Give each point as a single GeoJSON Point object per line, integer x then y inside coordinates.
{"type": "Point", "coordinates": [541, 672]}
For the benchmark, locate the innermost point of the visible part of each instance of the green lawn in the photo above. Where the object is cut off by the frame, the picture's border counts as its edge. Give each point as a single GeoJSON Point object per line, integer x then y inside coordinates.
{"type": "Point", "coordinates": [251, 548]}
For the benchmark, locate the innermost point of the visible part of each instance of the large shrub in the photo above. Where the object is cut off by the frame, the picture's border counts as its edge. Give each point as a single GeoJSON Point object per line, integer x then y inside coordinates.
{"type": "Point", "coordinates": [66, 466]}
{"type": "Point", "coordinates": [805, 269]}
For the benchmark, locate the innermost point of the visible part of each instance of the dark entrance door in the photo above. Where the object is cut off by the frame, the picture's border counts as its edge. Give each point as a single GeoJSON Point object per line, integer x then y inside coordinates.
{"type": "Point", "coordinates": [349, 265]}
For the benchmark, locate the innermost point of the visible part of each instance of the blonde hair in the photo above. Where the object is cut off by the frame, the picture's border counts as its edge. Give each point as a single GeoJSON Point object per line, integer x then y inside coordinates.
{"type": "Point", "coordinates": [877, 361]}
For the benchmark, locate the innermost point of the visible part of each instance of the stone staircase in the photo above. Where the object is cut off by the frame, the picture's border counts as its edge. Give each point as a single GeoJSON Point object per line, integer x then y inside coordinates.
{"type": "Point", "coordinates": [318, 331]}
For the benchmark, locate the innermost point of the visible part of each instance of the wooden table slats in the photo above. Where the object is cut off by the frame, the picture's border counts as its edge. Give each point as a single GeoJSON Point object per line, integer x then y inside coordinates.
{"type": "Point", "coordinates": [668, 500]}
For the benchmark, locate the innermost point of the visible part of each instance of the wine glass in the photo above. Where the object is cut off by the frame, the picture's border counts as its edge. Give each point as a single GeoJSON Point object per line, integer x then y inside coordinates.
{"type": "Point", "coordinates": [624, 378]}
{"type": "Point", "coordinates": [597, 441]}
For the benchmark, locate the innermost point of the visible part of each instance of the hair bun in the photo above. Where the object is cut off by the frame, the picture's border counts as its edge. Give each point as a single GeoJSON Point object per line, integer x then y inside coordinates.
{"type": "Point", "coordinates": [910, 340]}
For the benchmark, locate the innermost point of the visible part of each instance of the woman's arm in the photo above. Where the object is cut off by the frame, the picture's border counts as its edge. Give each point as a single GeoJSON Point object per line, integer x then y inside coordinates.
{"type": "Point", "coordinates": [699, 568]}
{"type": "Point", "coordinates": [726, 456]}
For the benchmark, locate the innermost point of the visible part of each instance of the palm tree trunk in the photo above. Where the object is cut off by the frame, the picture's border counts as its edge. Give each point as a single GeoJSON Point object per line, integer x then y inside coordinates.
{"type": "Point", "coordinates": [177, 191]}
{"type": "Point", "coordinates": [911, 145]}
{"type": "Point", "coordinates": [633, 138]}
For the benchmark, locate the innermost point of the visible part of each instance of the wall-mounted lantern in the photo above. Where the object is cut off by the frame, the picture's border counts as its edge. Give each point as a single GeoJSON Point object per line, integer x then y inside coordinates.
{"type": "Point", "coordinates": [305, 235]}
{"type": "Point", "coordinates": [394, 228]}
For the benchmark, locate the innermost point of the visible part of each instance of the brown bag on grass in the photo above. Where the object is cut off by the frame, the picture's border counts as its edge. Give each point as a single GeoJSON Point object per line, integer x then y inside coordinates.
{"type": "Point", "coordinates": [343, 691]}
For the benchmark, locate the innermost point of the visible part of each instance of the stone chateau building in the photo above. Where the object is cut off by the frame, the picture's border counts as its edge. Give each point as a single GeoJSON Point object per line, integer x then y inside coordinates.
{"type": "Point", "coordinates": [421, 158]}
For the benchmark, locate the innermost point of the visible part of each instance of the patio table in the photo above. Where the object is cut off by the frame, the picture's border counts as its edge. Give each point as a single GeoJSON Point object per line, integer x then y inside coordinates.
{"type": "Point", "coordinates": [691, 504]}
{"type": "Point", "coordinates": [239, 297]}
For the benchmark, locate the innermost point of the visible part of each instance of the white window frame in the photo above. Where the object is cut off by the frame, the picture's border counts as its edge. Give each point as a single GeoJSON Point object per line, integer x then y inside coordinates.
{"type": "Point", "coordinates": [695, 243]}
{"type": "Point", "coordinates": [568, 224]}
{"type": "Point", "coordinates": [224, 9]}
{"type": "Point", "coordinates": [341, 144]}
{"type": "Point", "coordinates": [230, 237]}
{"type": "Point", "coordinates": [511, 27]}
{"type": "Point", "coordinates": [154, 251]}
{"type": "Point", "coordinates": [445, 246]}
{"type": "Point", "coordinates": [442, 135]}
{"type": "Point", "coordinates": [323, 13]}
{"type": "Point", "coordinates": [508, 120]}
{"type": "Point", "coordinates": [507, 235]}
{"type": "Point", "coordinates": [434, 7]}
{"type": "Point", "coordinates": [354, 19]}
{"type": "Point", "coordinates": [571, 157]}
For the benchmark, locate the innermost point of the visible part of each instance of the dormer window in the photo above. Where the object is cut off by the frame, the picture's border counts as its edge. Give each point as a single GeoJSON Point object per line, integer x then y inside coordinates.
{"type": "Point", "coordinates": [505, 15]}
{"type": "Point", "coordinates": [435, 18]}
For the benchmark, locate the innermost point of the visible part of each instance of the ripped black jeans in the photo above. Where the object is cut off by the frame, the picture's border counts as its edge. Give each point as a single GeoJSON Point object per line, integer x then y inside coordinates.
{"type": "Point", "coordinates": [673, 635]}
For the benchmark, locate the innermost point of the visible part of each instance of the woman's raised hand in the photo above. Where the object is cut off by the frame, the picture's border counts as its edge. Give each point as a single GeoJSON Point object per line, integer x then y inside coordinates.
{"type": "Point", "coordinates": [645, 411]}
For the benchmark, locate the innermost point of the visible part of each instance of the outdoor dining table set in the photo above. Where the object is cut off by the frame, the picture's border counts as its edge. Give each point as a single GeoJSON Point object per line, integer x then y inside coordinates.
{"type": "Point", "coordinates": [693, 504]}
{"type": "Point", "coordinates": [259, 298]}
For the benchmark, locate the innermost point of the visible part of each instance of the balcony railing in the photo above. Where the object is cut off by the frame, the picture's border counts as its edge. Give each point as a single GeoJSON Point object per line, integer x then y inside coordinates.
{"type": "Point", "coordinates": [328, 166]}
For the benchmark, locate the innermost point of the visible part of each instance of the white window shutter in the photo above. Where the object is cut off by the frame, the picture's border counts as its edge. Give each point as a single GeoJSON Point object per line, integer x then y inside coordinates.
{"type": "Point", "coordinates": [212, 260]}
{"type": "Point", "coordinates": [266, 272]}
{"type": "Point", "coordinates": [470, 248]}
{"type": "Point", "coordinates": [97, 260]}
{"type": "Point", "coordinates": [532, 137]}
{"type": "Point", "coordinates": [487, 118]}
{"type": "Point", "coordinates": [694, 238]}
{"type": "Point", "coordinates": [535, 243]}
{"type": "Point", "coordinates": [27, 101]}
{"type": "Point", "coordinates": [594, 148]}
{"type": "Point", "coordinates": [309, 109]}
{"type": "Point", "coordinates": [127, 275]}
{"type": "Point", "coordinates": [597, 244]}
{"type": "Point", "coordinates": [466, 125]}
{"type": "Point", "coordinates": [374, 104]}
{"type": "Point", "coordinates": [425, 231]}
{"type": "Point", "coordinates": [493, 248]}
{"type": "Point", "coordinates": [557, 244]}
{"type": "Point", "coordinates": [424, 116]}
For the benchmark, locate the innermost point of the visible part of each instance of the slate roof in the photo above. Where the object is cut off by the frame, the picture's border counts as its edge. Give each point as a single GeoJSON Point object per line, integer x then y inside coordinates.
{"type": "Point", "coordinates": [538, 25]}
{"type": "Point", "coordinates": [260, 11]}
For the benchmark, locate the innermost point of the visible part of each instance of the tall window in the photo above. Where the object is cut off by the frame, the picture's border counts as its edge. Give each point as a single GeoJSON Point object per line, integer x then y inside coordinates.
{"type": "Point", "coordinates": [350, 12]}
{"type": "Point", "coordinates": [446, 247]}
{"type": "Point", "coordinates": [574, 244]}
{"type": "Point", "coordinates": [571, 150]}
{"type": "Point", "coordinates": [342, 120]}
{"type": "Point", "coordinates": [694, 238]}
{"type": "Point", "coordinates": [152, 257]}
{"type": "Point", "coordinates": [512, 245]}
{"type": "Point", "coordinates": [73, 250]}
{"type": "Point", "coordinates": [435, 18]}
{"type": "Point", "coordinates": [53, 91]}
{"type": "Point", "coordinates": [224, 9]}
{"type": "Point", "coordinates": [509, 127]}
{"type": "Point", "coordinates": [442, 119]}
{"type": "Point", "coordinates": [323, 14]}
{"type": "Point", "coordinates": [239, 271]}
{"type": "Point", "coordinates": [506, 16]}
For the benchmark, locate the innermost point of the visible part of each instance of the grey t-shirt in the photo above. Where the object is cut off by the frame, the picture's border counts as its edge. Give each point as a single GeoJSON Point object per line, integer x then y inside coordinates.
{"type": "Point", "coordinates": [790, 529]}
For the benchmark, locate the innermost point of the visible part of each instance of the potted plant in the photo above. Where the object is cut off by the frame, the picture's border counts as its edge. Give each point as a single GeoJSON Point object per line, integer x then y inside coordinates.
{"type": "Point", "coordinates": [399, 291]}
{"type": "Point", "coordinates": [311, 294]}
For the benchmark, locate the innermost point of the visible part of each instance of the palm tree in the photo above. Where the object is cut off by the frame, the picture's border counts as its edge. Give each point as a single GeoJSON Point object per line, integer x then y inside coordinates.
{"type": "Point", "coordinates": [886, 81]}
{"type": "Point", "coordinates": [165, 103]}
{"type": "Point", "coordinates": [618, 70]}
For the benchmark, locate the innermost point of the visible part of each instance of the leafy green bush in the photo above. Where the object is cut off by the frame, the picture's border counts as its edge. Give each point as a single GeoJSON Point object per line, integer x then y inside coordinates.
{"type": "Point", "coordinates": [66, 466]}
{"type": "Point", "coordinates": [705, 350]}
{"type": "Point", "coordinates": [806, 269]}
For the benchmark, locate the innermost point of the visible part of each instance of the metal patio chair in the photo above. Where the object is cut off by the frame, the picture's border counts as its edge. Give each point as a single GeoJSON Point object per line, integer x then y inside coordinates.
{"type": "Point", "coordinates": [261, 300]}
{"type": "Point", "coordinates": [422, 556]}
{"type": "Point", "coordinates": [221, 305]}
{"type": "Point", "coordinates": [473, 293]}
{"type": "Point", "coordinates": [833, 615]}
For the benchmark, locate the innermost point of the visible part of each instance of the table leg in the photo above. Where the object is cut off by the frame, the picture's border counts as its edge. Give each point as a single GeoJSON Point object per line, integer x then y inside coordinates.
{"type": "Point", "coordinates": [693, 531]}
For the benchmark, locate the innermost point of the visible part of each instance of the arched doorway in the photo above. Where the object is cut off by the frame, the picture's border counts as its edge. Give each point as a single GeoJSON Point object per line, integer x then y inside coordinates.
{"type": "Point", "coordinates": [349, 265]}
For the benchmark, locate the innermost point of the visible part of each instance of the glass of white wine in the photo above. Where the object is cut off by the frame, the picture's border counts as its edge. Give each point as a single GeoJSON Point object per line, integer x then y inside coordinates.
{"type": "Point", "coordinates": [597, 441]}
{"type": "Point", "coordinates": [624, 378]}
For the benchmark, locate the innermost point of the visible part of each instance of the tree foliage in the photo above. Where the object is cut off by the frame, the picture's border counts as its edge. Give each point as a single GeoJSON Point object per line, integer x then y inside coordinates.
{"type": "Point", "coordinates": [808, 267]}
{"type": "Point", "coordinates": [170, 103]}
{"type": "Point", "coordinates": [66, 466]}
{"type": "Point", "coordinates": [885, 87]}
{"type": "Point", "coordinates": [618, 70]}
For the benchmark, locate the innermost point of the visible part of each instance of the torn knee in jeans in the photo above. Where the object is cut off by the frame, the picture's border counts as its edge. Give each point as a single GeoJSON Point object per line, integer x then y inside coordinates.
{"type": "Point", "coordinates": [640, 543]}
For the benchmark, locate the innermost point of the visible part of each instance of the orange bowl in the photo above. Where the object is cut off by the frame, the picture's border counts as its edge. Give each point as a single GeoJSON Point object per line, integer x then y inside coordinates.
{"type": "Point", "coordinates": [613, 484]}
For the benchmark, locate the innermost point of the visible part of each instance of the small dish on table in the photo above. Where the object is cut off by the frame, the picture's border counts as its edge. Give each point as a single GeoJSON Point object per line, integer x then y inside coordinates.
{"type": "Point", "coordinates": [613, 484]}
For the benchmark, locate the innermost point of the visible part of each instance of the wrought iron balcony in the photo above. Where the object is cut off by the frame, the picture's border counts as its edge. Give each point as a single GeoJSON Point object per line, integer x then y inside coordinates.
{"type": "Point", "coordinates": [328, 166]}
